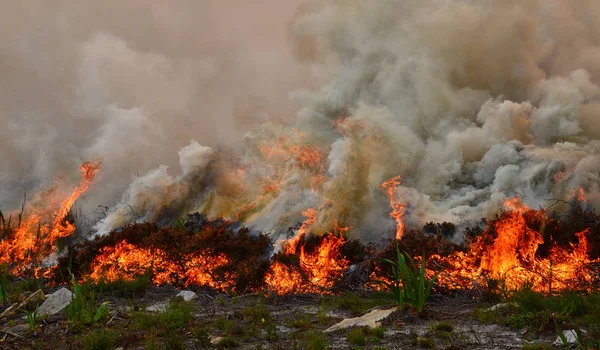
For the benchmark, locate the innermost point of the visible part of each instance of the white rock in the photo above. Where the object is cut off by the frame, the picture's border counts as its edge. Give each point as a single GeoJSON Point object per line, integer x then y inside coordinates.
{"type": "Point", "coordinates": [571, 336]}
{"type": "Point", "coordinates": [187, 295]}
{"type": "Point", "coordinates": [370, 319]}
{"type": "Point", "coordinates": [56, 302]}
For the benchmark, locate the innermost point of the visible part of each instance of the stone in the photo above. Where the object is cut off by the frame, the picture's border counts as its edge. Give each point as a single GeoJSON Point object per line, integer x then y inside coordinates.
{"type": "Point", "coordinates": [187, 295]}
{"type": "Point", "coordinates": [56, 302]}
{"type": "Point", "coordinates": [571, 336]}
{"type": "Point", "coordinates": [370, 319]}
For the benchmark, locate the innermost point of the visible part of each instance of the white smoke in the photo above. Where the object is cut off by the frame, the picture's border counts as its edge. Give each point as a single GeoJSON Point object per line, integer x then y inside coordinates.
{"type": "Point", "coordinates": [471, 103]}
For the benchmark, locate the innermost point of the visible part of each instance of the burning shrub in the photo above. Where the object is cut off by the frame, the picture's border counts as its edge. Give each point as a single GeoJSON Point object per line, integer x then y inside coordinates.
{"type": "Point", "coordinates": [312, 264]}
{"type": "Point", "coordinates": [216, 254]}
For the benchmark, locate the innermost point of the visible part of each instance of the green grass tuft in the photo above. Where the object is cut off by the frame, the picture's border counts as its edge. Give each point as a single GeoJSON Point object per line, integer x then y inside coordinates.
{"type": "Point", "coordinates": [174, 317]}
{"type": "Point", "coordinates": [227, 342]}
{"type": "Point", "coordinates": [356, 336]}
{"type": "Point", "coordinates": [442, 327]}
{"type": "Point", "coordinates": [100, 339]}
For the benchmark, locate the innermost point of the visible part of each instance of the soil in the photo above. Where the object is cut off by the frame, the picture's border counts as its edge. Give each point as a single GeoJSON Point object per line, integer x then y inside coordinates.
{"type": "Point", "coordinates": [402, 330]}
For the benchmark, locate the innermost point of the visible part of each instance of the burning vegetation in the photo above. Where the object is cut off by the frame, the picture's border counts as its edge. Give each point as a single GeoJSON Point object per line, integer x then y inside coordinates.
{"type": "Point", "coordinates": [521, 247]}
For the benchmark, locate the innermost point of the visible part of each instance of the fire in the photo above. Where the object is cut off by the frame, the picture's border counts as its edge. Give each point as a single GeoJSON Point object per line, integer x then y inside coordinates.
{"type": "Point", "coordinates": [282, 159]}
{"type": "Point", "coordinates": [41, 225]}
{"type": "Point", "coordinates": [317, 270]}
{"type": "Point", "coordinates": [397, 213]}
{"type": "Point", "coordinates": [509, 249]}
{"type": "Point", "coordinates": [516, 247]}
{"type": "Point", "coordinates": [126, 261]}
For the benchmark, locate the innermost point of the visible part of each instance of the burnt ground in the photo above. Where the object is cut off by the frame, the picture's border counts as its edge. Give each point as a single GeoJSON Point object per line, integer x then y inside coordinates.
{"type": "Point", "coordinates": [256, 322]}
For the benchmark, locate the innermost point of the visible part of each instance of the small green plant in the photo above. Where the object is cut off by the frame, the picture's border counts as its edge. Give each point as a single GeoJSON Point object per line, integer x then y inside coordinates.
{"type": "Point", "coordinates": [83, 305]}
{"type": "Point", "coordinates": [378, 332]}
{"type": "Point", "coordinates": [150, 344]}
{"type": "Point", "coordinates": [442, 327]}
{"type": "Point", "coordinates": [174, 341]}
{"type": "Point", "coordinates": [227, 342]}
{"type": "Point", "coordinates": [363, 335]}
{"type": "Point", "coordinates": [101, 339]}
{"type": "Point", "coordinates": [426, 343]}
{"type": "Point", "coordinates": [323, 317]}
{"type": "Point", "coordinates": [175, 316]}
{"type": "Point", "coordinates": [223, 324]}
{"type": "Point", "coordinates": [202, 338]}
{"type": "Point", "coordinates": [356, 337]}
{"type": "Point", "coordinates": [355, 303]}
{"type": "Point", "coordinates": [258, 313]}
{"type": "Point", "coordinates": [409, 284]}
{"type": "Point", "coordinates": [302, 321]}
{"type": "Point", "coordinates": [315, 340]}
{"type": "Point", "coordinates": [32, 318]}
{"type": "Point", "coordinates": [414, 337]}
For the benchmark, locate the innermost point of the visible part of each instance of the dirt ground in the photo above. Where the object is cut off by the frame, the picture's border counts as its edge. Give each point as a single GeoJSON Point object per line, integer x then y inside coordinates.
{"type": "Point", "coordinates": [289, 322]}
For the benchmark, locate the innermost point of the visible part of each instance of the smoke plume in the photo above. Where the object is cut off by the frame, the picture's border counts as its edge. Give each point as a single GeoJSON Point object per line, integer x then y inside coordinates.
{"type": "Point", "coordinates": [469, 102]}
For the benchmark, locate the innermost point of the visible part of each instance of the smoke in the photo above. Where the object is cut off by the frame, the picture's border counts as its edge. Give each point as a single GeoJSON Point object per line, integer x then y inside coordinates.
{"type": "Point", "coordinates": [470, 102]}
{"type": "Point", "coordinates": [132, 82]}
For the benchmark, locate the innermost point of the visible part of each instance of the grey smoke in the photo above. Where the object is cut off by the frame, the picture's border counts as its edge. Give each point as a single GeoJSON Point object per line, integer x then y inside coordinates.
{"type": "Point", "coordinates": [470, 102]}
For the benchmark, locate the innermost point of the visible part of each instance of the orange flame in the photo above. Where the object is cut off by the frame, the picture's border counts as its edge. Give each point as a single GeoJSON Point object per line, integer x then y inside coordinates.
{"type": "Point", "coordinates": [35, 238]}
{"type": "Point", "coordinates": [126, 261]}
{"type": "Point", "coordinates": [397, 213]}
{"type": "Point", "coordinates": [317, 271]}
{"type": "Point", "coordinates": [509, 250]}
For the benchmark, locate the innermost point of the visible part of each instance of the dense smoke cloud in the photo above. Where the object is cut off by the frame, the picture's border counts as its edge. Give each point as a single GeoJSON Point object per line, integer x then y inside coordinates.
{"type": "Point", "coordinates": [470, 102]}
{"type": "Point", "coordinates": [133, 82]}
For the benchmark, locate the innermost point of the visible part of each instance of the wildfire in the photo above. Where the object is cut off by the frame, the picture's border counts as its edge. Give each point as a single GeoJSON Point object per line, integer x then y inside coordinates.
{"type": "Point", "coordinates": [316, 271]}
{"type": "Point", "coordinates": [516, 247]}
{"type": "Point", "coordinates": [282, 159]}
{"type": "Point", "coordinates": [41, 225]}
{"type": "Point", "coordinates": [397, 213]}
{"type": "Point", "coordinates": [126, 262]}
{"type": "Point", "coordinates": [509, 250]}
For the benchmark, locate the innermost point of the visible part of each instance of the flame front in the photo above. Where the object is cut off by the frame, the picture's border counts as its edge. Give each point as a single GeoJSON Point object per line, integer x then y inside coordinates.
{"type": "Point", "coordinates": [41, 225]}
{"type": "Point", "coordinates": [509, 250]}
{"type": "Point", "coordinates": [317, 271]}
